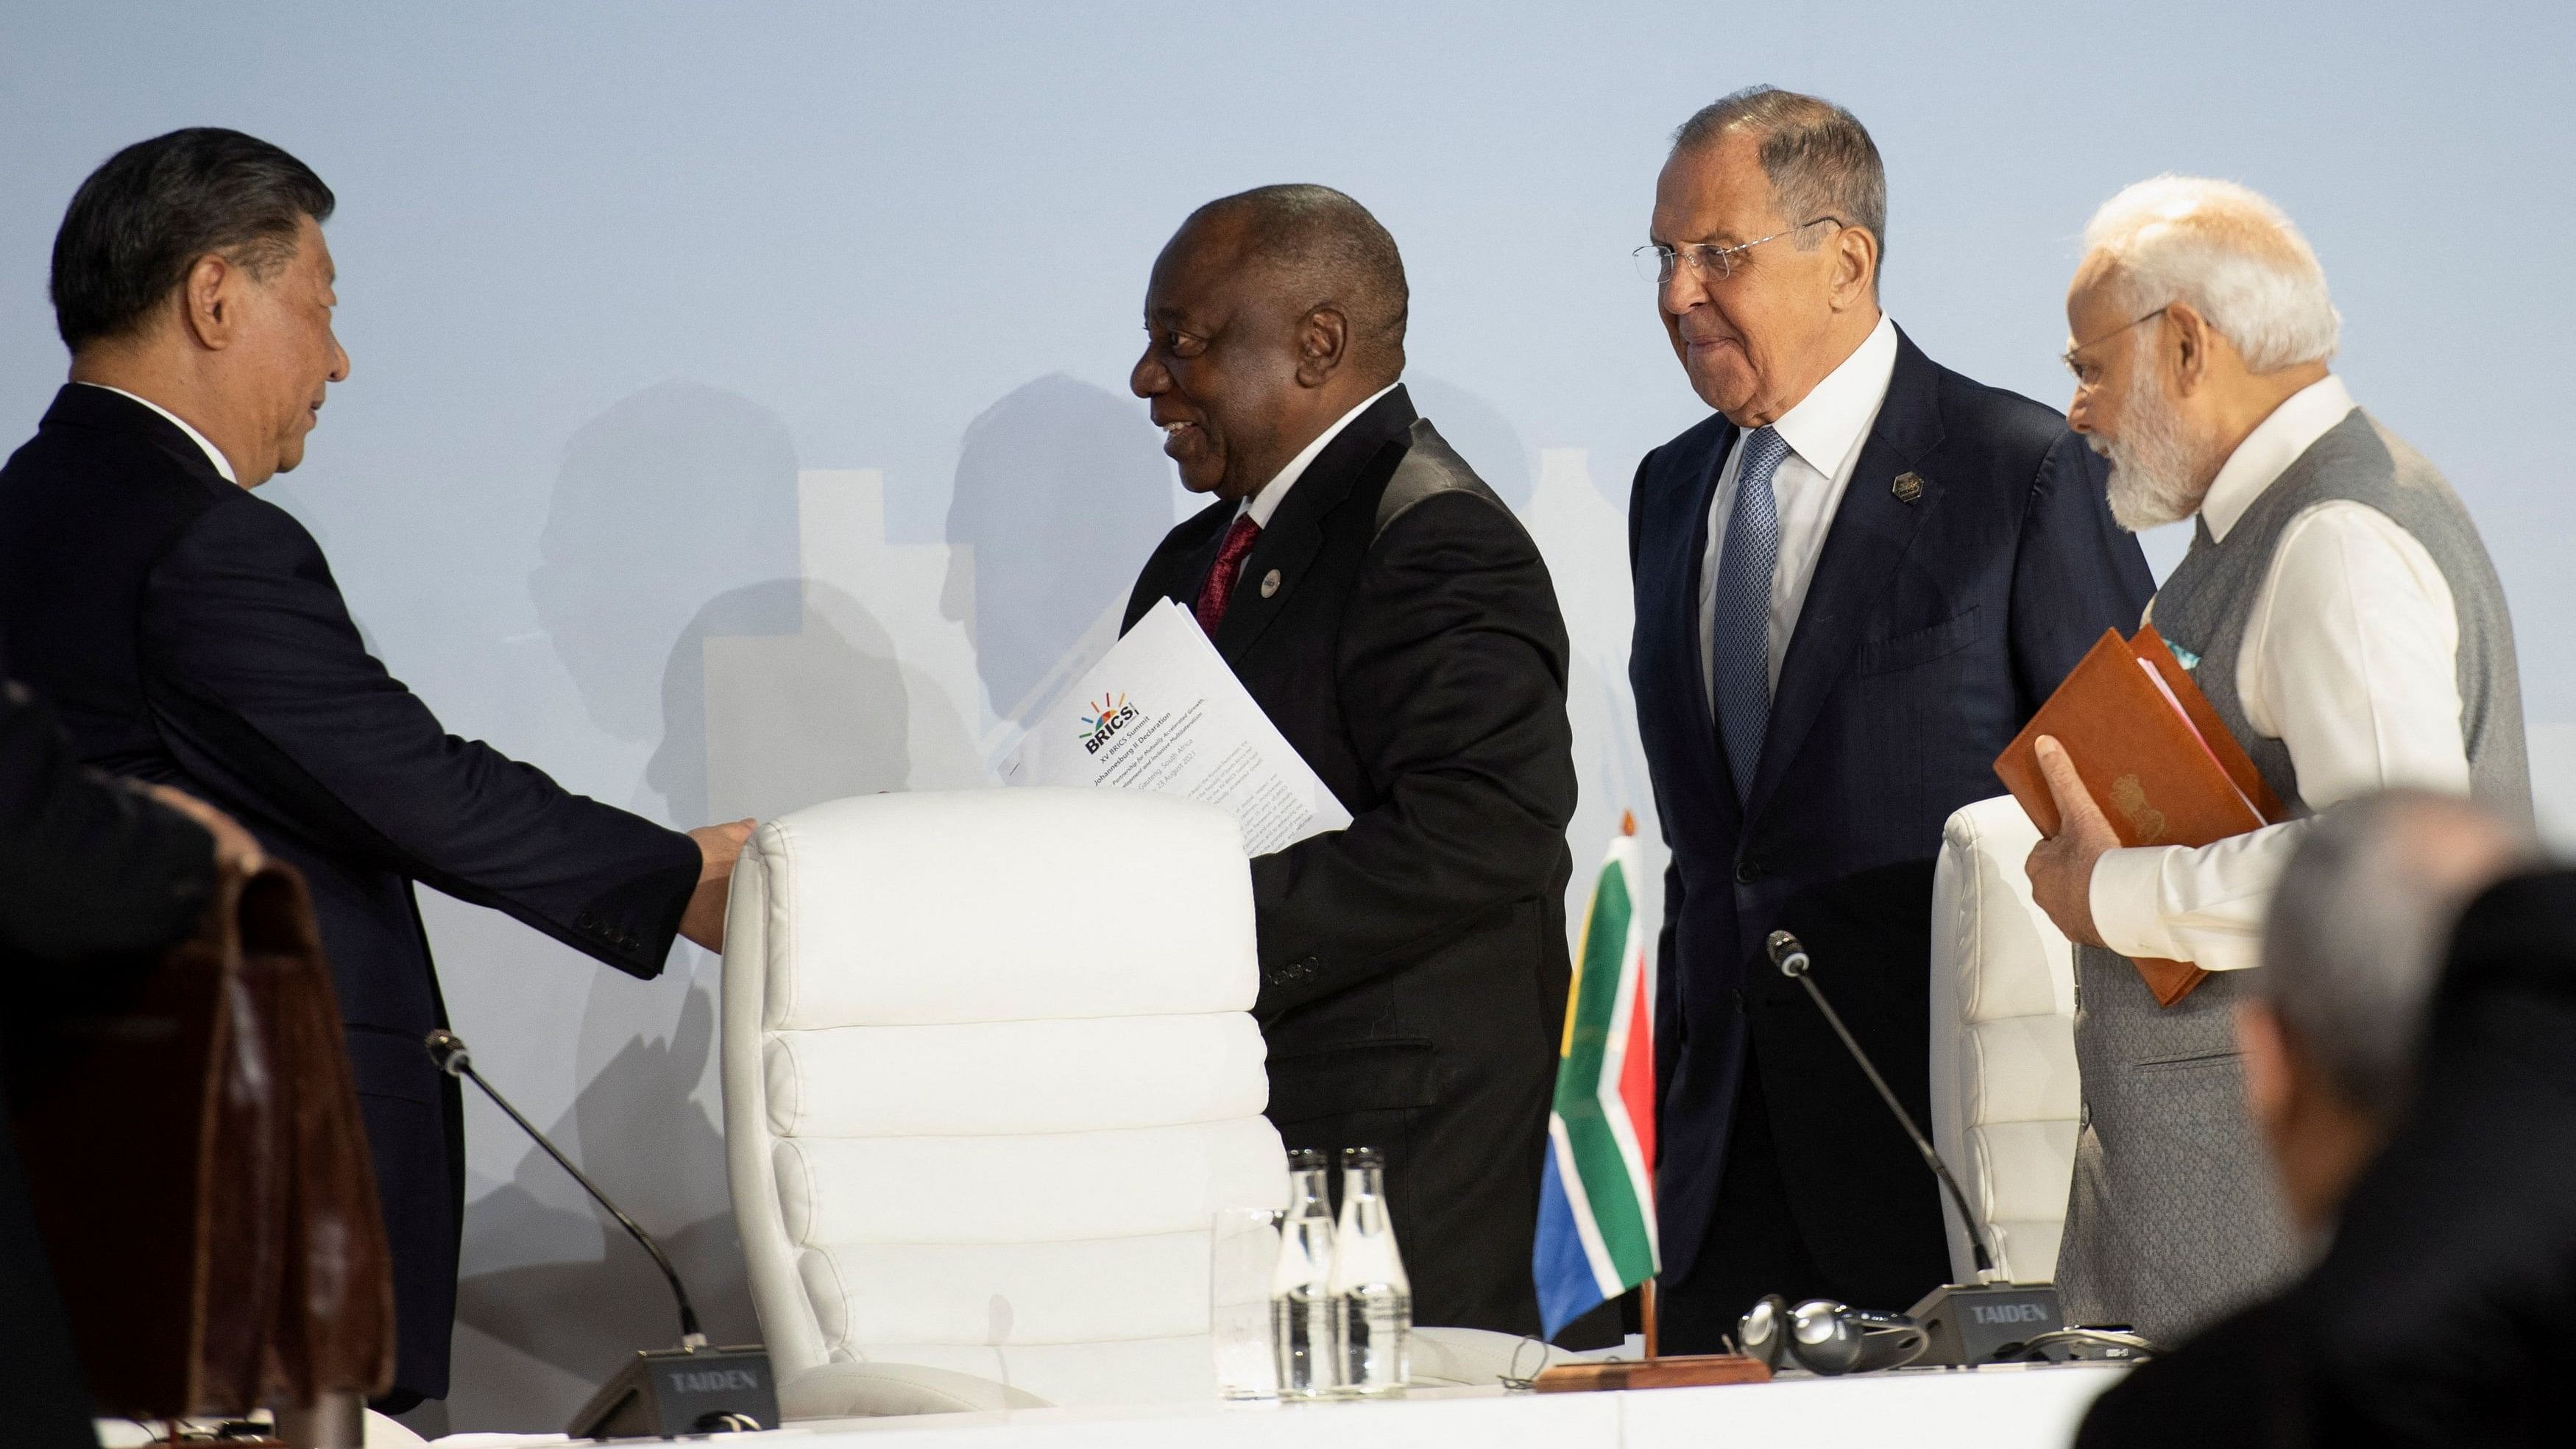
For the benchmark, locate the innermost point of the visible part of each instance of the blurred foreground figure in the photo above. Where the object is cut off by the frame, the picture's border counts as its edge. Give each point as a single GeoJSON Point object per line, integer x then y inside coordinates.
{"type": "Point", "coordinates": [93, 876]}
{"type": "Point", "coordinates": [2338, 609]}
{"type": "Point", "coordinates": [1396, 623]}
{"type": "Point", "coordinates": [2428, 1131]}
{"type": "Point", "coordinates": [192, 634]}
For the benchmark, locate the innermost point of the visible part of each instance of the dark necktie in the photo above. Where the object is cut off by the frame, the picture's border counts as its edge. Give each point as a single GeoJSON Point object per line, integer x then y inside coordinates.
{"type": "Point", "coordinates": [1218, 590]}
{"type": "Point", "coordinates": [1740, 652]}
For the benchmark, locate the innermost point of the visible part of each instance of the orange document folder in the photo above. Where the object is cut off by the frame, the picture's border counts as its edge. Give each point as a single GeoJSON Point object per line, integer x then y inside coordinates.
{"type": "Point", "coordinates": [2154, 754]}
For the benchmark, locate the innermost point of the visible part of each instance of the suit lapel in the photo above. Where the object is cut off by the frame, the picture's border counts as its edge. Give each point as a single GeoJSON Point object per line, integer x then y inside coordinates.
{"type": "Point", "coordinates": [1373, 442]}
{"type": "Point", "coordinates": [1694, 621]}
{"type": "Point", "coordinates": [1871, 531]}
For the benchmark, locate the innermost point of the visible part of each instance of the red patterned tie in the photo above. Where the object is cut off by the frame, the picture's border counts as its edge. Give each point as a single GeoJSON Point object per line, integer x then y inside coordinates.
{"type": "Point", "coordinates": [1219, 588]}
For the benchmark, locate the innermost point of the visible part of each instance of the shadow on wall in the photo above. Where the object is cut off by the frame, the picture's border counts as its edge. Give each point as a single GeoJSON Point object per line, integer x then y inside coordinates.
{"type": "Point", "coordinates": [1480, 434]}
{"type": "Point", "coordinates": [1062, 490]}
{"type": "Point", "coordinates": [596, 1297]}
{"type": "Point", "coordinates": [667, 500]}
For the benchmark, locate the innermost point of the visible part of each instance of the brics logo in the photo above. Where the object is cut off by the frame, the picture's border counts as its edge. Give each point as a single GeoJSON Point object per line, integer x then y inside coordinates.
{"type": "Point", "coordinates": [1106, 719]}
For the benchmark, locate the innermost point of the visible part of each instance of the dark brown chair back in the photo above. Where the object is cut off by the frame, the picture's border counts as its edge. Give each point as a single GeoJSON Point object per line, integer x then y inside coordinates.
{"type": "Point", "coordinates": [197, 1165]}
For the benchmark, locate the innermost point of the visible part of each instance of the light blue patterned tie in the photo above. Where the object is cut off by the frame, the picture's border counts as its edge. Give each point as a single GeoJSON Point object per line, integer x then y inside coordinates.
{"type": "Point", "coordinates": [1740, 646]}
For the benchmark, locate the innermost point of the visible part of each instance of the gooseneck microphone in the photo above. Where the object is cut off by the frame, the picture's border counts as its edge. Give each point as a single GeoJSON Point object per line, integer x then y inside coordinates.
{"type": "Point", "coordinates": [449, 1051]}
{"type": "Point", "coordinates": [692, 1389]}
{"type": "Point", "coordinates": [1792, 960]}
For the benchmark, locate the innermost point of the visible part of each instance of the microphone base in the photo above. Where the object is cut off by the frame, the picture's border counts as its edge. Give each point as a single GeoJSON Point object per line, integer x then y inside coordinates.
{"type": "Point", "coordinates": [1968, 1322]}
{"type": "Point", "coordinates": [670, 1392]}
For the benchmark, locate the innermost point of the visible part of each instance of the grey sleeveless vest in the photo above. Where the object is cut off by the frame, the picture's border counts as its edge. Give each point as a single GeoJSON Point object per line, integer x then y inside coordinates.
{"type": "Point", "coordinates": [2173, 1219]}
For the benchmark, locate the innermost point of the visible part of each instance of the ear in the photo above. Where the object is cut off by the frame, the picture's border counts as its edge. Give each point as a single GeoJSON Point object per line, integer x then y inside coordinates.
{"type": "Point", "coordinates": [2189, 347]}
{"type": "Point", "coordinates": [1855, 266]}
{"type": "Point", "coordinates": [1323, 345]}
{"type": "Point", "coordinates": [210, 302]}
{"type": "Point", "coordinates": [2271, 1073]}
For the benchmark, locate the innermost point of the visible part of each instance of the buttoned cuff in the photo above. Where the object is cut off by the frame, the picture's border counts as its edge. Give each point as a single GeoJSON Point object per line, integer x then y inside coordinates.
{"type": "Point", "coordinates": [2127, 896]}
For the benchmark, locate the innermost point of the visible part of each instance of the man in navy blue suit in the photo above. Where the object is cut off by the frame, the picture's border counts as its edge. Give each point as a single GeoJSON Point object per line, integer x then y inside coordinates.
{"type": "Point", "coordinates": [1854, 584]}
{"type": "Point", "coordinates": [192, 636]}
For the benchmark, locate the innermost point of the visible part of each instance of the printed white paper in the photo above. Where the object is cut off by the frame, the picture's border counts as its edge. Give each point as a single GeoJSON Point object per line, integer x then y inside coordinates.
{"type": "Point", "coordinates": [1162, 711]}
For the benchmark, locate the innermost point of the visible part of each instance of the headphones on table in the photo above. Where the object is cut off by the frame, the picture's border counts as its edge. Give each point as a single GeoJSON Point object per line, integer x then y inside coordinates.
{"type": "Point", "coordinates": [1826, 1337]}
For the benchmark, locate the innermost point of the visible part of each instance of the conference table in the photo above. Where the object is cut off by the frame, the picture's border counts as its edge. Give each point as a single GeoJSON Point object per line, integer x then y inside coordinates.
{"type": "Point", "coordinates": [1997, 1407]}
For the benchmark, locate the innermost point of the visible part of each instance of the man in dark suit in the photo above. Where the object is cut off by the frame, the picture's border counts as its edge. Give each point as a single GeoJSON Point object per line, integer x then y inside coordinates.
{"type": "Point", "coordinates": [94, 877]}
{"type": "Point", "coordinates": [1854, 583]}
{"type": "Point", "coordinates": [192, 635]}
{"type": "Point", "coordinates": [1396, 623]}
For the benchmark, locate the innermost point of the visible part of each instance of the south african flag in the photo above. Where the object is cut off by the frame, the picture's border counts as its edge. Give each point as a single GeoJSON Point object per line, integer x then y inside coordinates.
{"type": "Point", "coordinates": [1596, 1206]}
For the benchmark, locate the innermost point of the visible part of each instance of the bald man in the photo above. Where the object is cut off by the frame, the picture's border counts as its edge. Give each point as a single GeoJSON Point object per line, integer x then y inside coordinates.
{"type": "Point", "coordinates": [1396, 623]}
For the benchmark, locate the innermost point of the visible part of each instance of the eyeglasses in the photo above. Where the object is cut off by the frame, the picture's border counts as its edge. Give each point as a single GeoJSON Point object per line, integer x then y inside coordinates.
{"type": "Point", "coordinates": [2089, 374]}
{"type": "Point", "coordinates": [1657, 263]}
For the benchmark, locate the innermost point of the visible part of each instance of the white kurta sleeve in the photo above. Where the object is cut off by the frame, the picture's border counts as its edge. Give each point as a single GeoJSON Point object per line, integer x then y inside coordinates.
{"type": "Point", "coordinates": [2351, 661]}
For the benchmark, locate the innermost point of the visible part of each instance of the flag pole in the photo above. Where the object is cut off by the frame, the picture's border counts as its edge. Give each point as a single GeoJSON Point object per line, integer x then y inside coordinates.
{"type": "Point", "coordinates": [1645, 1290]}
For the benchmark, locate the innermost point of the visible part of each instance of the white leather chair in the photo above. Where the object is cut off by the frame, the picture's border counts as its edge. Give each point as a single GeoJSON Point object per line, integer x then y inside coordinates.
{"type": "Point", "coordinates": [2005, 1095]}
{"type": "Point", "coordinates": [989, 1071]}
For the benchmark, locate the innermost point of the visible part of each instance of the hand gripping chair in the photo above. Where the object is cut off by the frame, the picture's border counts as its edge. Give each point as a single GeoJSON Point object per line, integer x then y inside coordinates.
{"type": "Point", "coordinates": [2005, 1095]}
{"type": "Point", "coordinates": [989, 1070]}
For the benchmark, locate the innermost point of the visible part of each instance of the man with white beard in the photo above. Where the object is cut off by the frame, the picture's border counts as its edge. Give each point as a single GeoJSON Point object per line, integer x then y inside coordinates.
{"type": "Point", "coordinates": [2339, 611]}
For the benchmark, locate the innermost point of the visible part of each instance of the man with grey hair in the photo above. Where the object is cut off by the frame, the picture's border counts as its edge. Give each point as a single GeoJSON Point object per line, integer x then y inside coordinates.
{"type": "Point", "coordinates": [1855, 580]}
{"type": "Point", "coordinates": [2331, 1033]}
{"type": "Point", "coordinates": [2339, 611]}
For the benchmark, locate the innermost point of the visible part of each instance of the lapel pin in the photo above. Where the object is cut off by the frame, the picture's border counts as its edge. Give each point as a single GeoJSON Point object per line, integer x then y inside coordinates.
{"type": "Point", "coordinates": [1907, 487]}
{"type": "Point", "coordinates": [1270, 583]}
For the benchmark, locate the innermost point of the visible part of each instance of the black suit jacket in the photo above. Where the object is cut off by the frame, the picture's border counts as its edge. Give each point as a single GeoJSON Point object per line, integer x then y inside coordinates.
{"type": "Point", "coordinates": [1414, 966]}
{"type": "Point", "coordinates": [191, 633]}
{"type": "Point", "coordinates": [1932, 629]}
{"type": "Point", "coordinates": [94, 880]}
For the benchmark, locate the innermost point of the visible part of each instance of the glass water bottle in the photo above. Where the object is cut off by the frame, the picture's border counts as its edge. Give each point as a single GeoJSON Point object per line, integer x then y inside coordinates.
{"type": "Point", "coordinates": [1301, 1295]}
{"type": "Point", "coordinates": [1372, 1298]}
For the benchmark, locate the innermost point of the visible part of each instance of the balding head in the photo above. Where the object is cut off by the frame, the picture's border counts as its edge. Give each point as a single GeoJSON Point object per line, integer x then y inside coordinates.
{"type": "Point", "coordinates": [2357, 934]}
{"type": "Point", "coordinates": [1322, 251]}
{"type": "Point", "coordinates": [1270, 314]}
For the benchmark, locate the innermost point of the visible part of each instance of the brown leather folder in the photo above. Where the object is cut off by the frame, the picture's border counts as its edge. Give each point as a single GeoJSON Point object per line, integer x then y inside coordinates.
{"type": "Point", "coordinates": [2154, 755]}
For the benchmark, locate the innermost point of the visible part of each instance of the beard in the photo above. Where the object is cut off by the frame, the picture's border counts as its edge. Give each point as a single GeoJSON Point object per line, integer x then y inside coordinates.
{"type": "Point", "coordinates": [2159, 472]}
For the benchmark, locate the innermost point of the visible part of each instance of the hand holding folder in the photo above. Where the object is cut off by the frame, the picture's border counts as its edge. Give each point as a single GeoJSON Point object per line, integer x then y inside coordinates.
{"type": "Point", "coordinates": [2153, 754]}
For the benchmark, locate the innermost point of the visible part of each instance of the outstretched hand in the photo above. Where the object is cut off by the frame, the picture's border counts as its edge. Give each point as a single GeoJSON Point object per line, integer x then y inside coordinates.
{"type": "Point", "coordinates": [2061, 866]}
{"type": "Point", "coordinates": [718, 847]}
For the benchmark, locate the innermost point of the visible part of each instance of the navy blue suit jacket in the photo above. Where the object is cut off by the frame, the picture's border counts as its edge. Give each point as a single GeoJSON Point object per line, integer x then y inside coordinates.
{"type": "Point", "coordinates": [190, 632]}
{"type": "Point", "coordinates": [1932, 629]}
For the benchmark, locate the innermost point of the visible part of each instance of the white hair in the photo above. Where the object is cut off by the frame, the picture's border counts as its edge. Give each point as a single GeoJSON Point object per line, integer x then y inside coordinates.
{"type": "Point", "coordinates": [2229, 253]}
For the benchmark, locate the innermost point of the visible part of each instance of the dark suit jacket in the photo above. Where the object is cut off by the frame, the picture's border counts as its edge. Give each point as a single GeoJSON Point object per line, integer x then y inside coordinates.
{"type": "Point", "coordinates": [1931, 631]}
{"type": "Point", "coordinates": [191, 633]}
{"type": "Point", "coordinates": [1414, 966]}
{"type": "Point", "coordinates": [93, 879]}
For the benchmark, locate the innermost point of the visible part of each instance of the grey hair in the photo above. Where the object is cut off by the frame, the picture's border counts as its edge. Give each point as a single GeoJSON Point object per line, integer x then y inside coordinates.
{"type": "Point", "coordinates": [2360, 924]}
{"type": "Point", "coordinates": [2229, 253]}
{"type": "Point", "coordinates": [1819, 157]}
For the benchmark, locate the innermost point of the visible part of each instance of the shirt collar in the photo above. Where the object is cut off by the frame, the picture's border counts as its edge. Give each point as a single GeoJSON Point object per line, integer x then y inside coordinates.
{"type": "Point", "coordinates": [214, 454]}
{"type": "Point", "coordinates": [1261, 505]}
{"type": "Point", "coordinates": [1836, 413]}
{"type": "Point", "coordinates": [2268, 451]}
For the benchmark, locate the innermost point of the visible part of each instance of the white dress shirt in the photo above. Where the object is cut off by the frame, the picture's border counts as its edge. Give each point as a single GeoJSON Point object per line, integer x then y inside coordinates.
{"type": "Point", "coordinates": [1824, 433]}
{"type": "Point", "coordinates": [1264, 503]}
{"type": "Point", "coordinates": [2350, 660]}
{"type": "Point", "coordinates": [214, 454]}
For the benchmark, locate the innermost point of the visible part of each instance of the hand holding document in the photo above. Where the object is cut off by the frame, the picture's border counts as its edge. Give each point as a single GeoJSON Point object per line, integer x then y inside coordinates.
{"type": "Point", "coordinates": [2154, 756]}
{"type": "Point", "coordinates": [1163, 711]}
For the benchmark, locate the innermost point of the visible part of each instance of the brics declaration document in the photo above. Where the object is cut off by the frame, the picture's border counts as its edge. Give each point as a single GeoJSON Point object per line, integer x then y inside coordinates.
{"type": "Point", "coordinates": [1162, 711]}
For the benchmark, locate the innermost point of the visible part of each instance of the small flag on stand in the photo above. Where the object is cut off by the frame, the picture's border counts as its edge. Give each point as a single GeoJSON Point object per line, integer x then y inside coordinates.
{"type": "Point", "coordinates": [1596, 1206]}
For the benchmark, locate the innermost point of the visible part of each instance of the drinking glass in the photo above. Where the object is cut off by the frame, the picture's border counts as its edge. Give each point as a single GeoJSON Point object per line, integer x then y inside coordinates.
{"type": "Point", "coordinates": [1243, 1253]}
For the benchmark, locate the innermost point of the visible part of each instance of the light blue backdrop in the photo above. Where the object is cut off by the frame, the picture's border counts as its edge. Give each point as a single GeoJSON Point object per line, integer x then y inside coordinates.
{"type": "Point", "coordinates": [739, 415]}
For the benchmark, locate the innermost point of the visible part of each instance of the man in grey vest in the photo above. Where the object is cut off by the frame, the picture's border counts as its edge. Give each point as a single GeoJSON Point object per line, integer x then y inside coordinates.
{"type": "Point", "coordinates": [2340, 613]}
